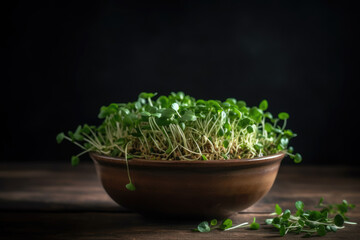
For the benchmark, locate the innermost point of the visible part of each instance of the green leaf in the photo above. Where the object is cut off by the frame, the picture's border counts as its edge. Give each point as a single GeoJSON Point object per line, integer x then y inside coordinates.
{"type": "Point", "coordinates": [167, 113]}
{"type": "Point", "coordinates": [299, 213]}
{"type": "Point", "coordinates": [145, 95]}
{"type": "Point", "coordinates": [204, 157]}
{"type": "Point", "coordinates": [286, 214]}
{"type": "Point", "coordinates": [268, 115]}
{"type": "Point", "coordinates": [276, 220]}
{"type": "Point", "coordinates": [158, 115]}
{"type": "Point", "coordinates": [214, 104]}
{"type": "Point", "coordinates": [77, 134]}
{"type": "Point", "coordinates": [289, 133]}
{"type": "Point", "coordinates": [236, 112]}
{"type": "Point", "coordinates": [86, 129]}
{"type": "Point", "coordinates": [282, 230]}
{"type": "Point", "coordinates": [290, 149]}
{"type": "Point", "coordinates": [339, 220]}
{"type": "Point", "coordinates": [227, 223]}
{"type": "Point", "coordinates": [256, 114]}
{"type": "Point", "coordinates": [269, 127]}
{"type": "Point", "coordinates": [151, 109]}
{"type": "Point", "coordinates": [130, 186]}
{"type": "Point", "coordinates": [315, 215]}
{"type": "Point", "coordinates": [213, 222]}
{"type": "Point", "coordinates": [241, 104]}
{"type": "Point", "coordinates": [162, 121]}
{"type": "Point", "coordinates": [226, 105]}
{"type": "Point", "coordinates": [321, 230]}
{"type": "Point", "coordinates": [75, 160]}
{"type": "Point", "coordinates": [297, 158]}
{"type": "Point", "coordinates": [299, 205]}
{"type": "Point", "coordinates": [163, 101]}
{"type": "Point", "coordinates": [103, 112]}
{"type": "Point", "coordinates": [244, 110]}
{"type": "Point", "coordinates": [137, 105]}
{"type": "Point", "coordinates": [87, 145]}
{"type": "Point", "coordinates": [277, 130]}
{"type": "Point", "coordinates": [180, 95]}
{"type": "Point", "coordinates": [60, 137]}
{"type": "Point", "coordinates": [269, 221]}
{"type": "Point", "coordinates": [244, 122]}
{"type": "Point", "coordinates": [124, 110]}
{"type": "Point", "coordinates": [112, 108]}
{"type": "Point", "coordinates": [276, 225]}
{"type": "Point", "coordinates": [284, 142]}
{"type": "Point", "coordinates": [175, 106]}
{"type": "Point", "coordinates": [189, 116]}
{"type": "Point", "coordinates": [145, 114]}
{"type": "Point", "coordinates": [231, 100]}
{"type": "Point", "coordinates": [250, 129]}
{"type": "Point", "coordinates": [263, 105]}
{"type": "Point", "coordinates": [204, 227]}
{"type": "Point", "coordinates": [283, 115]}
{"type": "Point", "coordinates": [227, 126]}
{"type": "Point", "coordinates": [333, 228]}
{"type": "Point", "coordinates": [278, 209]}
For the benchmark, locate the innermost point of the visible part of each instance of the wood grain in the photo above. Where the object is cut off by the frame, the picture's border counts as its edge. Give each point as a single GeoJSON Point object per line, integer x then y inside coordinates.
{"type": "Point", "coordinates": [57, 201]}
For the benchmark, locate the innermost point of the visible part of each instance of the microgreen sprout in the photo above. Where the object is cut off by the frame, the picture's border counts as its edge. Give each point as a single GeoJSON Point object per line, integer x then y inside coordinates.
{"type": "Point", "coordinates": [310, 222]}
{"type": "Point", "coordinates": [303, 221]}
{"type": "Point", "coordinates": [225, 225]}
{"type": "Point", "coordinates": [341, 208]}
{"type": "Point", "coordinates": [254, 225]}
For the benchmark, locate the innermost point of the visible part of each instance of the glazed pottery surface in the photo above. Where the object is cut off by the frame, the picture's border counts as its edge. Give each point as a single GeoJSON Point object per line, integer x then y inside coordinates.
{"type": "Point", "coordinates": [213, 188]}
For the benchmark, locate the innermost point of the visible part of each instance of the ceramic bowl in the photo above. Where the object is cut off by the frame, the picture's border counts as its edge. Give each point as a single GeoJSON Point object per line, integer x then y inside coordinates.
{"type": "Point", "coordinates": [213, 188]}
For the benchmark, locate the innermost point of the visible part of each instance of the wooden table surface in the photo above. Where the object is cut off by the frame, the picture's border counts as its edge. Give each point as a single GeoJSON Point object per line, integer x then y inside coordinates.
{"type": "Point", "coordinates": [57, 201]}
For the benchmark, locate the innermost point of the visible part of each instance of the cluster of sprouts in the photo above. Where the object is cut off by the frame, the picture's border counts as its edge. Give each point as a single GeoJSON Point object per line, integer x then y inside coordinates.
{"type": "Point", "coordinates": [178, 127]}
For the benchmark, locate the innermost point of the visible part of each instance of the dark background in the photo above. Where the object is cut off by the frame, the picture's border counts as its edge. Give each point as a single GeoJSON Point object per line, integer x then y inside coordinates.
{"type": "Point", "coordinates": [63, 61]}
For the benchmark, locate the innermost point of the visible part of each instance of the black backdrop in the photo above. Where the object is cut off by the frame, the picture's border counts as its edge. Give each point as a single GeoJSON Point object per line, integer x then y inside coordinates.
{"type": "Point", "coordinates": [64, 60]}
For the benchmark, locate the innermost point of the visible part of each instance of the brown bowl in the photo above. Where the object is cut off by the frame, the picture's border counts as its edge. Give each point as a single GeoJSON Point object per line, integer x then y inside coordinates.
{"type": "Point", "coordinates": [214, 188]}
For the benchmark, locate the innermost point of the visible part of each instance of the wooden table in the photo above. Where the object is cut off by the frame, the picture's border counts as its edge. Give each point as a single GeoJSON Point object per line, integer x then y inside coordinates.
{"type": "Point", "coordinates": [57, 201]}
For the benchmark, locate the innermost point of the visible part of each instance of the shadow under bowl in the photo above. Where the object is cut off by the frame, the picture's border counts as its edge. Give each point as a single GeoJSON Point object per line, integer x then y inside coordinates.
{"type": "Point", "coordinates": [188, 189]}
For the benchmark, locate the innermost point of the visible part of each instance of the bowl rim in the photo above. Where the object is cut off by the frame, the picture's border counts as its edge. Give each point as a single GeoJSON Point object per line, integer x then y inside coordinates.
{"type": "Point", "coordinates": [108, 160]}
